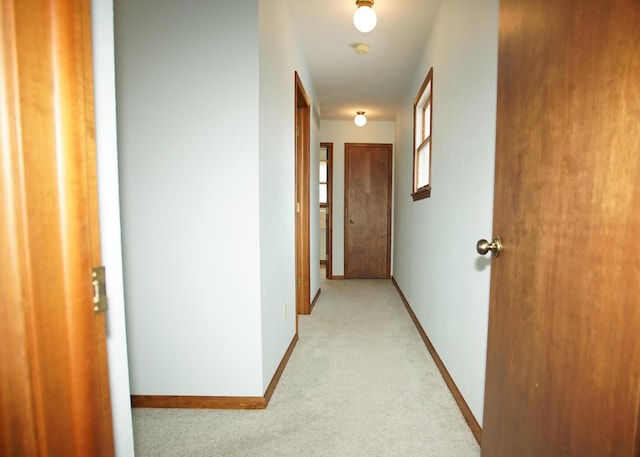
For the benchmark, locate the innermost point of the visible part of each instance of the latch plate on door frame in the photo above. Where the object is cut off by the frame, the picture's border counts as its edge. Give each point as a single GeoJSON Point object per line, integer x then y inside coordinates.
{"type": "Point", "coordinates": [100, 304]}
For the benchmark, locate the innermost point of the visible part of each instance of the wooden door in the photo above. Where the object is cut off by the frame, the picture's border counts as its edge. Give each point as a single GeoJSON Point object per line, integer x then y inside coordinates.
{"type": "Point", "coordinates": [563, 362]}
{"type": "Point", "coordinates": [54, 389]}
{"type": "Point", "coordinates": [367, 209]}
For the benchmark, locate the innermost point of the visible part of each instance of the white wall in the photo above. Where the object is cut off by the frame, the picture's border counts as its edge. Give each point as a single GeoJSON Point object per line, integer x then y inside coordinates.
{"type": "Point", "coordinates": [188, 118]}
{"type": "Point", "coordinates": [435, 262]}
{"type": "Point", "coordinates": [279, 59]}
{"type": "Point", "coordinates": [107, 158]}
{"type": "Point", "coordinates": [339, 133]}
{"type": "Point", "coordinates": [314, 196]}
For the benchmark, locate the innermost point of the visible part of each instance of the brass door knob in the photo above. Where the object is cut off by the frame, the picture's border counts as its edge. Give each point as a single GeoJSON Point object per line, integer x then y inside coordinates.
{"type": "Point", "coordinates": [351, 221]}
{"type": "Point", "coordinates": [483, 246]}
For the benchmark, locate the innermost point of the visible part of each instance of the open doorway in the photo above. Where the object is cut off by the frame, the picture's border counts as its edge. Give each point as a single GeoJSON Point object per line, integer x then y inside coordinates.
{"type": "Point", "coordinates": [326, 211]}
{"type": "Point", "coordinates": [302, 159]}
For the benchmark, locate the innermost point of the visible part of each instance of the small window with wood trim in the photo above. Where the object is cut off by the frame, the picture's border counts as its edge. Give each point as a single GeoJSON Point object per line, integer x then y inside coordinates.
{"type": "Point", "coordinates": [324, 177]}
{"type": "Point", "coordinates": [422, 113]}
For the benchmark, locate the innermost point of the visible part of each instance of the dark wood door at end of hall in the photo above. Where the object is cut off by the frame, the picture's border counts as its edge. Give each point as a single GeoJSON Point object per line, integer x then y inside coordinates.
{"type": "Point", "coordinates": [367, 225]}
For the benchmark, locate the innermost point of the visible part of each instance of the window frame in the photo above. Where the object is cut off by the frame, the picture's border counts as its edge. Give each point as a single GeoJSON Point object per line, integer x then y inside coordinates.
{"type": "Point", "coordinates": [325, 183]}
{"type": "Point", "coordinates": [423, 100]}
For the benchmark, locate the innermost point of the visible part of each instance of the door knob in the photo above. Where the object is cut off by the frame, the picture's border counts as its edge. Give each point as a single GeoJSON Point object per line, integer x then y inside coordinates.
{"type": "Point", "coordinates": [351, 221]}
{"type": "Point", "coordinates": [483, 246]}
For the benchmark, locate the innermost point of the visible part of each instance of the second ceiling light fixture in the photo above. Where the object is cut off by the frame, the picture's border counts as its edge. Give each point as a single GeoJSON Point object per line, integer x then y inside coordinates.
{"type": "Point", "coordinates": [365, 18]}
{"type": "Point", "coordinates": [360, 119]}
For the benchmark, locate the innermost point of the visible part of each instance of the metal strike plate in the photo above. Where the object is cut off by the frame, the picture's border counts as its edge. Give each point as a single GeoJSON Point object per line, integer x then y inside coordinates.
{"type": "Point", "coordinates": [100, 304]}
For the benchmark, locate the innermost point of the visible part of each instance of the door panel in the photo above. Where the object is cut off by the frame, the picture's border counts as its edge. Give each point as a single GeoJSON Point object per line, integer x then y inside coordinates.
{"type": "Point", "coordinates": [54, 383]}
{"type": "Point", "coordinates": [563, 362]}
{"type": "Point", "coordinates": [367, 210]}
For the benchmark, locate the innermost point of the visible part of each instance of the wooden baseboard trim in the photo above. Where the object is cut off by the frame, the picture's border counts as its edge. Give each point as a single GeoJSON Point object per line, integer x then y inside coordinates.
{"type": "Point", "coordinates": [337, 277]}
{"type": "Point", "coordinates": [197, 402]}
{"type": "Point", "coordinates": [315, 300]}
{"type": "Point", "coordinates": [276, 377]}
{"type": "Point", "coordinates": [204, 402]}
{"type": "Point", "coordinates": [462, 404]}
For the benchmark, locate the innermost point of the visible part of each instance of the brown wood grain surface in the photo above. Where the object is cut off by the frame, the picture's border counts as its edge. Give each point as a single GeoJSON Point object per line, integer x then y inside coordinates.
{"type": "Point", "coordinates": [368, 210]}
{"type": "Point", "coordinates": [302, 160]}
{"type": "Point", "coordinates": [563, 364]}
{"type": "Point", "coordinates": [55, 386]}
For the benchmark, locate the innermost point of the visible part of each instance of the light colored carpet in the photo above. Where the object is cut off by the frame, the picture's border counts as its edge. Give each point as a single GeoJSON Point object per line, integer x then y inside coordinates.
{"type": "Point", "coordinates": [360, 382]}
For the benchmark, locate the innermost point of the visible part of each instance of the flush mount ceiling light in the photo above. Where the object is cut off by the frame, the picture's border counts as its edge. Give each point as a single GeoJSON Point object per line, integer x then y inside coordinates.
{"type": "Point", "coordinates": [365, 18]}
{"type": "Point", "coordinates": [360, 118]}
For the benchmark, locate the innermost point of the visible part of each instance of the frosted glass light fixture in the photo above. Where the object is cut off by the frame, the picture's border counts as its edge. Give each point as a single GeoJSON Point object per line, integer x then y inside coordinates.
{"type": "Point", "coordinates": [364, 18]}
{"type": "Point", "coordinates": [360, 118]}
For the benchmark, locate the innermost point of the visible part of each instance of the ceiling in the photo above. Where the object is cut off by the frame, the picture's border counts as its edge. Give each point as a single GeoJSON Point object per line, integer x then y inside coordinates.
{"type": "Point", "coordinates": [345, 82]}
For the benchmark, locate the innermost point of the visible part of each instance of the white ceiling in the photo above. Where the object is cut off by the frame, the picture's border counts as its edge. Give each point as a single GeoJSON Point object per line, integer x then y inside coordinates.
{"type": "Point", "coordinates": [346, 82]}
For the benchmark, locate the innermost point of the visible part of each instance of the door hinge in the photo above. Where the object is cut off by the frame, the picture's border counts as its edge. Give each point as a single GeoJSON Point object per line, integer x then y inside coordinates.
{"type": "Point", "coordinates": [99, 290]}
{"type": "Point", "coordinates": [297, 207]}
{"type": "Point", "coordinates": [298, 282]}
{"type": "Point", "coordinates": [297, 130]}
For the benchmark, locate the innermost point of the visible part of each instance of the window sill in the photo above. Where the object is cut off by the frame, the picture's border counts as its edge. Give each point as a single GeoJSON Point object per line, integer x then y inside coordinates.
{"type": "Point", "coordinates": [424, 192]}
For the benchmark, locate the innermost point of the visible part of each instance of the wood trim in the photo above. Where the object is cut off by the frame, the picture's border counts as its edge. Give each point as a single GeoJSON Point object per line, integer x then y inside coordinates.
{"type": "Point", "coordinates": [315, 299]}
{"type": "Point", "coordinates": [462, 404]}
{"type": "Point", "coordinates": [302, 197]}
{"type": "Point", "coordinates": [208, 402]}
{"type": "Point", "coordinates": [338, 277]}
{"type": "Point", "coordinates": [93, 210]}
{"type": "Point", "coordinates": [54, 384]}
{"type": "Point", "coordinates": [276, 376]}
{"type": "Point", "coordinates": [197, 402]}
{"type": "Point", "coordinates": [637, 444]}
{"type": "Point", "coordinates": [18, 416]}
{"type": "Point", "coordinates": [424, 191]}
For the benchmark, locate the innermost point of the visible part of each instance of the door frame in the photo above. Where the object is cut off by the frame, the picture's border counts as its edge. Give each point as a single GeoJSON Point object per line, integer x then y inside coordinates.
{"type": "Point", "coordinates": [54, 345]}
{"type": "Point", "coordinates": [329, 264]}
{"type": "Point", "coordinates": [302, 129]}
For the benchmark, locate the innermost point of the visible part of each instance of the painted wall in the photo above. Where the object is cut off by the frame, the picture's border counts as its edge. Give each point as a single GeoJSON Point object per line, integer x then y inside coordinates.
{"type": "Point", "coordinates": [207, 164]}
{"type": "Point", "coordinates": [279, 59]}
{"type": "Point", "coordinates": [108, 185]}
{"type": "Point", "coordinates": [322, 235]}
{"type": "Point", "coordinates": [435, 262]}
{"type": "Point", "coordinates": [314, 197]}
{"type": "Point", "coordinates": [188, 119]}
{"type": "Point", "coordinates": [339, 133]}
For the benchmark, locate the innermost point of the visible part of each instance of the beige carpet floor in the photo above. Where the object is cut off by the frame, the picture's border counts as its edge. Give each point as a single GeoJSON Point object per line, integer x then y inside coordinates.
{"type": "Point", "coordinates": [360, 383]}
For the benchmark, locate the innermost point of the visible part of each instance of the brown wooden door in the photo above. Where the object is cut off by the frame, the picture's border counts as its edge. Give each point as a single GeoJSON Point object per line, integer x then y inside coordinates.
{"type": "Point", "coordinates": [563, 362]}
{"type": "Point", "coordinates": [367, 209]}
{"type": "Point", "coordinates": [54, 388]}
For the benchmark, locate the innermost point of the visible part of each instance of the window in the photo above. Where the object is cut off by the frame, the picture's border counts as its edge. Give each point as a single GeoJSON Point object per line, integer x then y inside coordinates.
{"type": "Point", "coordinates": [323, 176]}
{"type": "Point", "coordinates": [422, 112]}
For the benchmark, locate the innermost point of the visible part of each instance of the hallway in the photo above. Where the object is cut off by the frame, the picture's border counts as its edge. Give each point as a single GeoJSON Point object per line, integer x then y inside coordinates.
{"type": "Point", "coordinates": [360, 382]}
